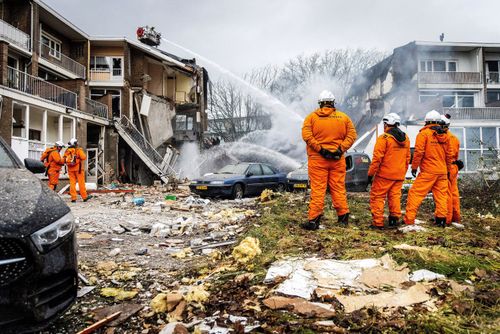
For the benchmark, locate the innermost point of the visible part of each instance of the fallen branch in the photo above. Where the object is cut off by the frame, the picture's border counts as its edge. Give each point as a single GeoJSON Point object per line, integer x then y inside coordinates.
{"type": "Point", "coordinates": [100, 323]}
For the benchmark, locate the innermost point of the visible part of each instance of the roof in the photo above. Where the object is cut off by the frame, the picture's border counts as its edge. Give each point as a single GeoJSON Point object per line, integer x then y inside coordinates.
{"type": "Point", "coordinates": [155, 52]}
{"type": "Point", "coordinates": [456, 46]}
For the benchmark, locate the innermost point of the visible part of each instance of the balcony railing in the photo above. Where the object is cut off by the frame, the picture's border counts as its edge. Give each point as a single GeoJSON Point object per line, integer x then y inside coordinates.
{"type": "Point", "coordinates": [14, 36]}
{"type": "Point", "coordinates": [492, 77]}
{"type": "Point", "coordinates": [58, 58]}
{"type": "Point", "coordinates": [449, 78]}
{"type": "Point", "coordinates": [96, 108]}
{"type": "Point", "coordinates": [473, 113]}
{"type": "Point", "coordinates": [38, 87]}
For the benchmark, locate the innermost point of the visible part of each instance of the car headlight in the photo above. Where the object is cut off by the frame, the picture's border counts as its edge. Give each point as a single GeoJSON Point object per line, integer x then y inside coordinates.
{"type": "Point", "coordinates": [194, 182]}
{"type": "Point", "coordinates": [49, 236]}
{"type": "Point", "coordinates": [216, 182]}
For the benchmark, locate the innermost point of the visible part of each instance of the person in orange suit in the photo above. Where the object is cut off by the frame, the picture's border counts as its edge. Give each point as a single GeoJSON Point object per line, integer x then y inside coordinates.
{"type": "Point", "coordinates": [328, 133]}
{"type": "Point", "coordinates": [433, 156]}
{"type": "Point", "coordinates": [45, 155]}
{"type": "Point", "coordinates": [54, 165]}
{"type": "Point", "coordinates": [74, 158]}
{"type": "Point", "coordinates": [456, 166]}
{"type": "Point", "coordinates": [391, 157]}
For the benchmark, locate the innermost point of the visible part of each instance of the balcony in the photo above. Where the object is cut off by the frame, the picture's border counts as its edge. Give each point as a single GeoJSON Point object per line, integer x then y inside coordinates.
{"type": "Point", "coordinates": [35, 86]}
{"type": "Point", "coordinates": [489, 113]}
{"type": "Point", "coordinates": [96, 108]}
{"type": "Point", "coordinates": [449, 78]}
{"type": "Point", "coordinates": [15, 36]}
{"type": "Point", "coordinates": [59, 59]}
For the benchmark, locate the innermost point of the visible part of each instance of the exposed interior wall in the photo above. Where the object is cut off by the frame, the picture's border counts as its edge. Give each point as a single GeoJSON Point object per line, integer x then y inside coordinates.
{"type": "Point", "coordinates": [183, 85]}
{"type": "Point", "coordinates": [155, 85]}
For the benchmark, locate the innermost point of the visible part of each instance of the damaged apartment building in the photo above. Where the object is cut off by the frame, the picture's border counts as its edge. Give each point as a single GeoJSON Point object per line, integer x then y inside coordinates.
{"type": "Point", "coordinates": [461, 79]}
{"type": "Point", "coordinates": [131, 106]}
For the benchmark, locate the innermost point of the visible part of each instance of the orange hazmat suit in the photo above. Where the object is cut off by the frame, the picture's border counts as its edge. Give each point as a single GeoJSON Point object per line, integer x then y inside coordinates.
{"type": "Point", "coordinates": [74, 158]}
{"type": "Point", "coordinates": [55, 163]}
{"type": "Point", "coordinates": [453, 193]}
{"type": "Point", "coordinates": [329, 129]}
{"type": "Point", "coordinates": [391, 157]}
{"type": "Point", "coordinates": [433, 156]}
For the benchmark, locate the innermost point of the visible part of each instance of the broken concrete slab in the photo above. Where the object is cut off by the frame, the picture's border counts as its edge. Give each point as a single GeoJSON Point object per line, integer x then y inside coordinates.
{"type": "Point", "coordinates": [414, 295]}
{"type": "Point", "coordinates": [425, 275]}
{"type": "Point", "coordinates": [300, 306]}
{"type": "Point", "coordinates": [165, 302]}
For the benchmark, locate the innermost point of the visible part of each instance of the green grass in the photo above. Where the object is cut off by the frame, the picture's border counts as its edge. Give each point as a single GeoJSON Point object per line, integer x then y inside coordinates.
{"type": "Point", "coordinates": [453, 252]}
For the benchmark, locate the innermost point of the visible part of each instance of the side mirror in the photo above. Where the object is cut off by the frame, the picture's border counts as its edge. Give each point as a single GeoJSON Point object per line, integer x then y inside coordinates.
{"type": "Point", "coordinates": [249, 174]}
{"type": "Point", "coordinates": [34, 166]}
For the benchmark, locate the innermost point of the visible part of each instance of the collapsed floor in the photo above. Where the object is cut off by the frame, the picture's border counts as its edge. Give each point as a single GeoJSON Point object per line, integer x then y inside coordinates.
{"type": "Point", "coordinates": [178, 264]}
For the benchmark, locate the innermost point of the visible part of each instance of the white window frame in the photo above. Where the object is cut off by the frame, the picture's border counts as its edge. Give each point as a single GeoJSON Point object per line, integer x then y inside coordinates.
{"type": "Point", "coordinates": [429, 65]}
{"type": "Point", "coordinates": [54, 43]}
{"type": "Point", "coordinates": [482, 148]}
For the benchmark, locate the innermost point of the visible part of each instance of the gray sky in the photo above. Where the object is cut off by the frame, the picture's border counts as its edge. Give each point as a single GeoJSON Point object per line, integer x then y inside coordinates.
{"type": "Point", "coordinates": [243, 34]}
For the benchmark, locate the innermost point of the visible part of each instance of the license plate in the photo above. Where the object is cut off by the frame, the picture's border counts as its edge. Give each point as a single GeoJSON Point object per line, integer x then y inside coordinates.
{"type": "Point", "coordinates": [201, 187]}
{"type": "Point", "coordinates": [300, 185]}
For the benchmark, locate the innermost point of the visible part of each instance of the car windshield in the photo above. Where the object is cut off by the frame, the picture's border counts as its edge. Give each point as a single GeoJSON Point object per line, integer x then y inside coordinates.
{"type": "Point", "coordinates": [5, 158]}
{"type": "Point", "coordinates": [233, 169]}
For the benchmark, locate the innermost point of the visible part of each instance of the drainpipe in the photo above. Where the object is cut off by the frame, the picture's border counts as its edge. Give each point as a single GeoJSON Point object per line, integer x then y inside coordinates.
{"type": "Point", "coordinates": [31, 28]}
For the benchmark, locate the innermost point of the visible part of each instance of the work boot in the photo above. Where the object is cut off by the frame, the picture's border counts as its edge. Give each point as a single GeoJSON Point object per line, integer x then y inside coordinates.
{"type": "Point", "coordinates": [441, 222]}
{"type": "Point", "coordinates": [88, 197]}
{"type": "Point", "coordinates": [393, 222]}
{"type": "Point", "coordinates": [313, 224]}
{"type": "Point", "coordinates": [344, 219]}
{"type": "Point", "coordinates": [376, 227]}
{"type": "Point", "coordinates": [73, 201]}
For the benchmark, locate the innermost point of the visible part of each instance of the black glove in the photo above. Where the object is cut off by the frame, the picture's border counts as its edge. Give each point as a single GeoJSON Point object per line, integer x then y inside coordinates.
{"type": "Point", "coordinates": [414, 172]}
{"type": "Point", "coordinates": [370, 179]}
{"type": "Point", "coordinates": [439, 130]}
{"type": "Point", "coordinates": [459, 163]}
{"type": "Point", "coordinates": [337, 154]}
{"type": "Point", "coordinates": [327, 154]}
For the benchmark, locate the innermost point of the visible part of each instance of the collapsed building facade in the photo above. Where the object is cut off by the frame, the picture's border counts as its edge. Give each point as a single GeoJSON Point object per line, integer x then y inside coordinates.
{"type": "Point", "coordinates": [131, 106]}
{"type": "Point", "coordinates": [461, 79]}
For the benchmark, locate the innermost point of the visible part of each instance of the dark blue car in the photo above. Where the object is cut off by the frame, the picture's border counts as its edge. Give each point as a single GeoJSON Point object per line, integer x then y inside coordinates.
{"type": "Point", "coordinates": [238, 180]}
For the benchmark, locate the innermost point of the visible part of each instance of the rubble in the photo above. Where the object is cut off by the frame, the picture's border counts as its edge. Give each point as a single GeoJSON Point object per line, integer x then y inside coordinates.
{"type": "Point", "coordinates": [300, 306]}
{"type": "Point", "coordinates": [118, 294]}
{"type": "Point", "coordinates": [425, 275]}
{"type": "Point", "coordinates": [166, 302]}
{"type": "Point", "coordinates": [247, 250]}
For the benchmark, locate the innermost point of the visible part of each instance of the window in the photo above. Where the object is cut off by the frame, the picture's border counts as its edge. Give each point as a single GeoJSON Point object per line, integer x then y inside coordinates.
{"type": "Point", "coordinates": [96, 94]}
{"type": "Point", "coordinates": [480, 146]}
{"type": "Point", "coordinates": [190, 123]}
{"type": "Point", "coordinates": [99, 63]}
{"type": "Point", "coordinates": [452, 66]}
{"type": "Point", "coordinates": [53, 45]}
{"type": "Point", "coordinates": [450, 99]}
{"type": "Point", "coordinates": [35, 135]}
{"type": "Point", "coordinates": [255, 169]}
{"type": "Point", "coordinates": [180, 122]}
{"type": "Point", "coordinates": [267, 170]}
{"type": "Point", "coordinates": [438, 66]}
{"type": "Point", "coordinates": [493, 96]}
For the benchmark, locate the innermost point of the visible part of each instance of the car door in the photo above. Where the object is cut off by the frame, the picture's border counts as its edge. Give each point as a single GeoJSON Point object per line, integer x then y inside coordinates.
{"type": "Point", "coordinates": [253, 180]}
{"type": "Point", "coordinates": [269, 177]}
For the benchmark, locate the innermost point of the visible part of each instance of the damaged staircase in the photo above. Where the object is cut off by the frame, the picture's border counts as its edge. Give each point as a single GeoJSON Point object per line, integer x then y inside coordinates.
{"type": "Point", "coordinates": [158, 164]}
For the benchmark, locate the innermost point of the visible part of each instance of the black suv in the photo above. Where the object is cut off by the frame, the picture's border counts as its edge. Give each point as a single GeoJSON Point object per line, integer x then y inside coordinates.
{"type": "Point", "coordinates": [38, 265]}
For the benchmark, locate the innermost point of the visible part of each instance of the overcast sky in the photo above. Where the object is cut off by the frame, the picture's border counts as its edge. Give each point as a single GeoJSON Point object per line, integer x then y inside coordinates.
{"type": "Point", "coordinates": [243, 34]}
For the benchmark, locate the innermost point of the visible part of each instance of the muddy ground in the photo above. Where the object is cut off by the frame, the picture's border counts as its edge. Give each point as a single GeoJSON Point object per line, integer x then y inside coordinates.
{"type": "Point", "coordinates": [117, 250]}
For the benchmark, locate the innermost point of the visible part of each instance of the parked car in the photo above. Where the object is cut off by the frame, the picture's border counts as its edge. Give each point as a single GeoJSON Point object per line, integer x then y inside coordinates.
{"type": "Point", "coordinates": [38, 263]}
{"type": "Point", "coordinates": [239, 180]}
{"type": "Point", "coordinates": [357, 164]}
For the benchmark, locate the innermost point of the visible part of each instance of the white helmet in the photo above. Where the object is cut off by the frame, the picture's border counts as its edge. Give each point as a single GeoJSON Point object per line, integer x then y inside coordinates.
{"type": "Point", "coordinates": [433, 116]}
{"type": "Point", "coordinates": [72, 141]}
{"type": "Point", "coordinates": [326, 96]}
{"type": "Point", "coordinates": [59, 143]}
{"type": "Point", "coordinates": [445, 120]}
{"type": "Point", "coordinates": [392, 119]}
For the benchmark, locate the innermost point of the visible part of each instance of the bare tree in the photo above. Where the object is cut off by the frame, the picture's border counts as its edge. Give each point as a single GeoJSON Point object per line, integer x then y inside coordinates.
{"type": "Point", "coordinates": [233, 114]}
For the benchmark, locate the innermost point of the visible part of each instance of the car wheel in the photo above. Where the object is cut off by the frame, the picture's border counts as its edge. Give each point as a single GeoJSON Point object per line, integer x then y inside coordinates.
{"type": "Point", "coordinates": [238, 191]}
{"type": "Point", "coordinates": [281, 188]}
